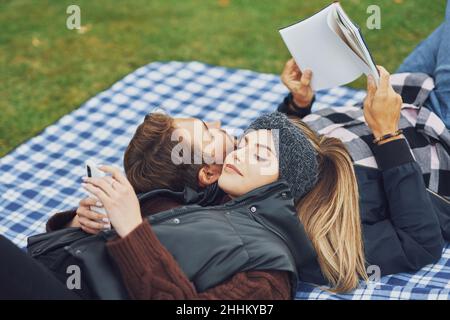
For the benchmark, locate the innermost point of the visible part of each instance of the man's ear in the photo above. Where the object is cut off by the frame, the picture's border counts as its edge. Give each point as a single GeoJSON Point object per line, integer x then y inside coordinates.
{"type": "Point", "coordinates": [209, 174]}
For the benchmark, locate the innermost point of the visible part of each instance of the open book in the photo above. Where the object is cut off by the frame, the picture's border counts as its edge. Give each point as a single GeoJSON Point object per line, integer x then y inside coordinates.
{"type": "Point", "coordinates": [332, 46]}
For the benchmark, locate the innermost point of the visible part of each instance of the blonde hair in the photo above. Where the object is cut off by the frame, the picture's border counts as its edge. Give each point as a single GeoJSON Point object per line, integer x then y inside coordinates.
{"type": "Point", "coordinates": [330, 213]}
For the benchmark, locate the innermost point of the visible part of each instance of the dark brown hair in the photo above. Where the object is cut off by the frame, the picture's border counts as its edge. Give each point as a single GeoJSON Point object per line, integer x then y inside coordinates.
{"type": "Point", "coordinates": [147, 160]}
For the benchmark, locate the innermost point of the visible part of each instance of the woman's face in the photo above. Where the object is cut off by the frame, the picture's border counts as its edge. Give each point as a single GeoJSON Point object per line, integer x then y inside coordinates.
{"type": "Point", "coordinates": [252, 165]}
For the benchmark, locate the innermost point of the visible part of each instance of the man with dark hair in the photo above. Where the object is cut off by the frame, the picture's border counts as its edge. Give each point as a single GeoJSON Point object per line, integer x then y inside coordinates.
{"type": "Point", "coordinates": [148, 160]}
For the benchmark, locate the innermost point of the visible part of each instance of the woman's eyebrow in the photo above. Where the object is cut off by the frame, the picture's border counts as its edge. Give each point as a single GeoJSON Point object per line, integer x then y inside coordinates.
{"type": "Point", "coordinates": [259, 145]}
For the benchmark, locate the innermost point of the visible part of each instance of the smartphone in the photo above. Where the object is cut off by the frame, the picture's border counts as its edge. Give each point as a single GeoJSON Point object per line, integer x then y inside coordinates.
{"type": "Point", "coordinates": [92, 171]}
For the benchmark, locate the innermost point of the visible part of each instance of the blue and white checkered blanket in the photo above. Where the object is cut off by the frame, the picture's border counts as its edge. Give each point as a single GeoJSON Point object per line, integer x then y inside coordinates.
{"type": "Point", "coordinates": [42, 176]}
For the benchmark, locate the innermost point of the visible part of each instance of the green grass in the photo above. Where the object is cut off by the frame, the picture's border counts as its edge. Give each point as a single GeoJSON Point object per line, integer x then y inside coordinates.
{"type": "Point", "coordinates": [47, 70]}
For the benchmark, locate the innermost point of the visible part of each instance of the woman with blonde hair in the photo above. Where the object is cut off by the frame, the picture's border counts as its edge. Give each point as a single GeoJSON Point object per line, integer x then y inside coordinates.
{"type": "Point", "coordinates": [335, 226]}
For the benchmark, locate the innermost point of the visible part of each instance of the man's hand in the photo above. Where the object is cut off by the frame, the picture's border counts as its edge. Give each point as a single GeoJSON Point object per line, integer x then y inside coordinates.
{"type": "Point", "coordinates": [118, 198]}
{"type": "Point", "coordinates": [382, 106]}
{"type": "Point", "coordinates": [90, 221]}
{"type": "Point", "coordinates": [298, 83]}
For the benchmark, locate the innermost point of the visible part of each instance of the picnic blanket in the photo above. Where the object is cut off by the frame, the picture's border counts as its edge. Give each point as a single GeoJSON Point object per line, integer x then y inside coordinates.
{"type": "Point", "coordinates": [43, 175]}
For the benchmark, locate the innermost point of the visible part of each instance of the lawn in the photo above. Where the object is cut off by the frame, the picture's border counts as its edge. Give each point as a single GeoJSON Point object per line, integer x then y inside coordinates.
{"type": "Point", "coordinates": [47, 70]}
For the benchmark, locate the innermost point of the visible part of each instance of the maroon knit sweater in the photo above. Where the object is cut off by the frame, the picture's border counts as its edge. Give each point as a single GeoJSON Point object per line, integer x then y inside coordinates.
{"type": "Point", "coordinates": [149, 271]}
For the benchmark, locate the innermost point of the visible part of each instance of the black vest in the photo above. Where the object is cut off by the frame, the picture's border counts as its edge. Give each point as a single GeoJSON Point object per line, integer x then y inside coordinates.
{"type": "Point", "coordinates": [258, 231]}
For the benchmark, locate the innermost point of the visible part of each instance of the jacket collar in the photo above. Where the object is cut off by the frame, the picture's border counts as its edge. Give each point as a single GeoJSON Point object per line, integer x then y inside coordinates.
{"type": "Point", "coordinates": [208, 196]}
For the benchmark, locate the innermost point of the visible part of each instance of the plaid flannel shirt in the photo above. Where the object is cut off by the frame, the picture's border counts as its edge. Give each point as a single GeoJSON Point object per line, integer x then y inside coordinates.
{"type": "Point", "coordinates": [424, 131]}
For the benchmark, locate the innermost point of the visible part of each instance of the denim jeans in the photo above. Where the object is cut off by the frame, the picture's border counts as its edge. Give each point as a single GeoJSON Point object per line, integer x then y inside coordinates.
{"type": "Point", "coordinates": [432, 56]}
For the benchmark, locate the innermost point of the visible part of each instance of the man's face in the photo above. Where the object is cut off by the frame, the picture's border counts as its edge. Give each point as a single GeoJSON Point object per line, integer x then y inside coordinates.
{"type": "Point", "coordinates": [213, 143]}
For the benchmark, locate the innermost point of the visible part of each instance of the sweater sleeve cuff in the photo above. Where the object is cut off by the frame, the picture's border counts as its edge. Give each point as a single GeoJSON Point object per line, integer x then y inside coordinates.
{"type": "Point", "coordinates": [137, 251]}
{"type": "Point", "coordinates": [290, 108]}
{"type": "Point", "coordinates": [60, 220]}
{"type": "Point", "coordinates": [393, 154]}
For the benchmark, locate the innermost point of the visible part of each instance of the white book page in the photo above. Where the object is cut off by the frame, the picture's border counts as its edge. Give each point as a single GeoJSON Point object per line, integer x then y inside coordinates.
{"type": "Point", "coordinates": [314, 45]}
{"type": "Point", "coordinates": [358, 40]}
{"type": "Point", "coordinates": [347, 37]}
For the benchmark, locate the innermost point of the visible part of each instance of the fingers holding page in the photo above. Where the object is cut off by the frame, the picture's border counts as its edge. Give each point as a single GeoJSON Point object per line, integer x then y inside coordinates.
{"type": "Point", "coordinates": [305, 80]}
{"type": "Point", "coordinates": [384, 79]}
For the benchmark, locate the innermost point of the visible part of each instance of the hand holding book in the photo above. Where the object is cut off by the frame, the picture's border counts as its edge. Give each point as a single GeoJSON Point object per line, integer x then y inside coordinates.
{"type": "Point", "coordinates": [298, 83]}
{"type": "Point", "coordinates": [382, 107]}
{"type": "Point", "coordinates": [331, 46]}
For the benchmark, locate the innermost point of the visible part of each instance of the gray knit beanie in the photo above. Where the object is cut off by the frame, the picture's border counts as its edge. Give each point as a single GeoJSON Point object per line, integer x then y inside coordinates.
{"type": "Point", "coordinates": [297, 158]}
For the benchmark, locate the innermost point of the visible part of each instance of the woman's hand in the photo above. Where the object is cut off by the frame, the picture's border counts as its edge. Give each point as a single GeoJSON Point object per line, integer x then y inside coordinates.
{"type": "Point", "coordinates": [298, 83]}
{"type": "Point", "coordinates": [118, 198]}
{"type": "Point", "coordinates": [90, 221]}
{"type": "Point", "coordinates": [382, 106]}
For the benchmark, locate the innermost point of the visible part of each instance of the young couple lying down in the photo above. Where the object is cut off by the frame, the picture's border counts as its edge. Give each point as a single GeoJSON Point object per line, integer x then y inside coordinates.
{"type": "Point", "coordinates": [286, 205]}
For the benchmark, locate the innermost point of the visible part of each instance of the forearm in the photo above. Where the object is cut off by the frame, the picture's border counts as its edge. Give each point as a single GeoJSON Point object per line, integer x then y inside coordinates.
{"type": "Point", "coordinates": [150, 272]}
